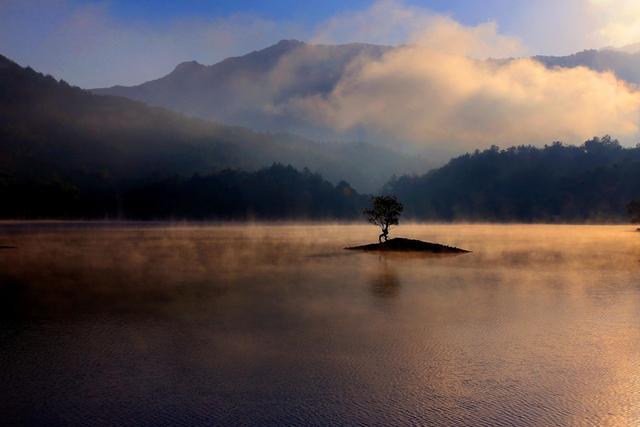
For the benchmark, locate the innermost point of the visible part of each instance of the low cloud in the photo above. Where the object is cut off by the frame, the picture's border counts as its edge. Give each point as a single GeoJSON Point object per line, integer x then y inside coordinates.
{"type": "Point", "coordinates": [438, 91]}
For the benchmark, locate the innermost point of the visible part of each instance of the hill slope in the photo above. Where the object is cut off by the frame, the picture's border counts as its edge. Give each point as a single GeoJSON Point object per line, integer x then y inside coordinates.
{"type": "Point", "coordinates": [50, 128]}
{"type": "Point", "coordinates": [592, 182]}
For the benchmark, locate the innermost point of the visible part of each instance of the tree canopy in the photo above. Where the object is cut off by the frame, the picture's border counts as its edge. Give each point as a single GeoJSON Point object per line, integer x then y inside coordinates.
{"type": "Point", "coordinates": [277, 192]}
{"type": "Point", "coordinates": [591, 182]}
{"type": "Point", "coordinates": [384, 212]}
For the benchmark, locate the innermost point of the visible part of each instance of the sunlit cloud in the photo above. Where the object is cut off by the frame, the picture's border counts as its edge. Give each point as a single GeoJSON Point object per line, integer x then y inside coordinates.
{"type": "Point", "coordinates": [618, 21]}
{"type": "Point", "coordinates": [434, 90]}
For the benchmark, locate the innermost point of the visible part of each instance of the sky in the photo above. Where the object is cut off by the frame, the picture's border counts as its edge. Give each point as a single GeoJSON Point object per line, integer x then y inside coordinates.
{"type": "Point", "coordinates": [107, 42]}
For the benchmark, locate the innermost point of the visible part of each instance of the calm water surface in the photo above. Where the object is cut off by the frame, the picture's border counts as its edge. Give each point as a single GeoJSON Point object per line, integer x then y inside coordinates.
{"type": "Point", "coordinates": [273, 325]}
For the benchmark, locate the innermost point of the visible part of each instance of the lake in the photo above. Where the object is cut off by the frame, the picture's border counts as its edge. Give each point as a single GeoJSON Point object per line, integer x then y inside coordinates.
{"type": "Point", "coordinates": [158, 324]}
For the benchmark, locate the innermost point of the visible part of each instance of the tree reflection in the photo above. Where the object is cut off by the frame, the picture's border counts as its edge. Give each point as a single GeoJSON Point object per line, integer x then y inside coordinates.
{"type": "Point", "coordinates": [385, 283]}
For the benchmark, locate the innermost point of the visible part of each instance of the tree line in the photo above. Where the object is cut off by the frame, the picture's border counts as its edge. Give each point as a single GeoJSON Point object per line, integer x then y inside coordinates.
{"type": "Point", "coordinates": [592, 182]}
{"type": "Point", "coordinates": [277, 192]}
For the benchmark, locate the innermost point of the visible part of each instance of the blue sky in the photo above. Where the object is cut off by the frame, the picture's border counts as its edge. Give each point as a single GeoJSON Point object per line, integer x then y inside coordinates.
{"type": "Point", "coordinates": [104, 42]}
{"type": "Point", "coordinates": [306, 12]}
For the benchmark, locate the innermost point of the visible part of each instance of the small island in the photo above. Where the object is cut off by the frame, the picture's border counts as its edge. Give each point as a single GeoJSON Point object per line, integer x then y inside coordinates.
{"type": "Point", "coordinates": [385, 211]}
{"type": "Point", "coordinates": [408, 245]}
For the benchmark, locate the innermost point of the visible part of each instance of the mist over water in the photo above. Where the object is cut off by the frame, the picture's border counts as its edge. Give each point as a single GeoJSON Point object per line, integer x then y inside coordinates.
{"type": "Point", "coordinates": [277, 324]}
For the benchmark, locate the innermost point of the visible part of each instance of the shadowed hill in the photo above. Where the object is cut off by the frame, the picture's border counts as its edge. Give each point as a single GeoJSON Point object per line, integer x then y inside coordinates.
{"type": "Point", "coordinates": [274, 193]}
{"type": "Point", "coordinates": [277, 192]}
{"type": "Point", "coordinates": [50, 128]}
{"type": "Point", "coordinates": [592, 182]}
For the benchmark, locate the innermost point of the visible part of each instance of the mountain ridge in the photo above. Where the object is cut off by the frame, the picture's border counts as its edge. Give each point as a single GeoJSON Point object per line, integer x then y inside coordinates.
{"type": "Point", "coordinates": [262, 88]}
{"type": "Point", "coordinates": [241, 90]}
{"type": "Point", "coordinates": [64, 128]}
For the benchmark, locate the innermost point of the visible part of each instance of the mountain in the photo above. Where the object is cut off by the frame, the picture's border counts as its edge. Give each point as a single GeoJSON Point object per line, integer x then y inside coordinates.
{"type": "Point", "coordinates": [254, 90]}
{"type": "Point", "coordinates": [48, 128]}
{"type": "Point", "coordinates": [276, 88]}
{"type": "Point", "coordinates": [623, 63]}
{"type": "Point", "coordinates": [249, 90]}
{"type": "Point", "coordinates": [557, 183]}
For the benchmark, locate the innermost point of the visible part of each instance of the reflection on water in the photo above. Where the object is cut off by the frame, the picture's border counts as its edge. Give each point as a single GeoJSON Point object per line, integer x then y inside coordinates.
{"type": "Point", "coordinates": [198, 325]}
{"type": "Point", "coordinates": [385, 282]}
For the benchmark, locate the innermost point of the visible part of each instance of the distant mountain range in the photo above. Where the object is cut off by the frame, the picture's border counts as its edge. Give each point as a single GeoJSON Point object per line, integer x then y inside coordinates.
{"type": "Point", "coordinates": [251, 90]}
{"type": "Point", "coordinates": [69, 153]}
{"type": "Point", "coordinates": [48, 128]}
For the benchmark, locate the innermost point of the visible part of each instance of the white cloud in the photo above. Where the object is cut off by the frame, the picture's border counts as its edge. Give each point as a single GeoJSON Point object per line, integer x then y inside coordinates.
{"type": "Point", "coordinates": [386, 22]}
{"type": "Point", "coordinates": [618, 21]}
{"type": "Point", "coordinates": [393, 22]}
{"type": "Point", "coordinates": [432, 92]}
{"type": "Point", "coordinates": [567, 26]}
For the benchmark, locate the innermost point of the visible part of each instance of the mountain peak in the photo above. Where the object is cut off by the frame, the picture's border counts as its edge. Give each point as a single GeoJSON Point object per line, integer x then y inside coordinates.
{"type": "Point", "coordinates": [290, 43]}
{"type": "Point", "coordinates": [188, 66]}
{"type": "Point", "coordinates": [285, 45]}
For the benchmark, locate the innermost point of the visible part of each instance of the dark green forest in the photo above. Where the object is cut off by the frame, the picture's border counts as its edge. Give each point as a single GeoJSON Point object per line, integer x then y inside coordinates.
{"type": "Point", "coordinates": [591, 182]}
{"type": "Point", "coordinates": [277, 192]}
{"type": "Point", "coordinates": [274, 193]}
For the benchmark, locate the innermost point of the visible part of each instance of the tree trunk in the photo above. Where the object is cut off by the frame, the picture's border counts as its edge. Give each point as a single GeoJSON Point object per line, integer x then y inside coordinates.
{"type": "Point", "coordinates": [385, 233]}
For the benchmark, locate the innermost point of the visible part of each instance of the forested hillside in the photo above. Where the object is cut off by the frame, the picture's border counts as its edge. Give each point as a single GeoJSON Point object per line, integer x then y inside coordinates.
{"type": "Point", "coordinates": [277, 192]}
{"type": "Point", "coordinates": [591, 182]}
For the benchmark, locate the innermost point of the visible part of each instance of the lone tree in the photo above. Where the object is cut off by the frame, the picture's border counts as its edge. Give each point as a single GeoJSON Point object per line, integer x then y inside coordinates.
{"type": "Point", "coordinates": [633, 209]}
{"type": "Point", "coordinates": [385, 211]}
